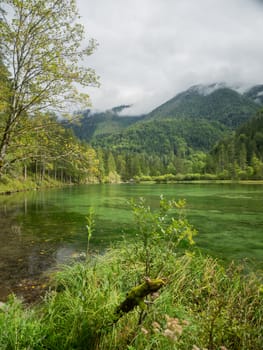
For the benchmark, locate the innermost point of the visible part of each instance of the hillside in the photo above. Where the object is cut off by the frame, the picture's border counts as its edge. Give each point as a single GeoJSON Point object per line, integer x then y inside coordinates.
{"type": "Point", "coordinates": [105, 123]}
{"type": "Point", "coordinates": [164, 136]}
{"type": "Point", "coordinates": [212, 102]}
{"type": "Point", "coordinates": [198, 117]}
{"type": "Point", "coordinates": [256, 94]}
{"type": "Point", "coordinates": [241, 155]}
{"type": "Point", "coordinates": [174, 138]}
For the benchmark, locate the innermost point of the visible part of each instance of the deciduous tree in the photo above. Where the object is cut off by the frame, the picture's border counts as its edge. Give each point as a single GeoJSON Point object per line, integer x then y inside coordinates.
{"type": "Point", "coordinates": [41, 43]}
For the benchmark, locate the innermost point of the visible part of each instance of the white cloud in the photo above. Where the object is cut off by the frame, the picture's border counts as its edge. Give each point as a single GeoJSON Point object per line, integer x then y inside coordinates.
{"type": "Point", "coordinates": [149, 50]}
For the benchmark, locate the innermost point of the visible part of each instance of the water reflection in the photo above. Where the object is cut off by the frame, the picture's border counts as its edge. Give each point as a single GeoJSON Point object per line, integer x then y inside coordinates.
{"type": "Point", "coordinates": [41, 229]}
{"type": "Point", "coordinates": [32, 242]}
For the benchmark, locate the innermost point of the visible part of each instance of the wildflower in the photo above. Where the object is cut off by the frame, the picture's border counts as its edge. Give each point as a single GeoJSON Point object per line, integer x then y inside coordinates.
{"type": "Point", "coordinates": [169, 334]}
{"type": "Point", "coordinates": [156, 325]}
{"type": "Point", "coordinates": [173, 325]}
{"type": "Point", "coordinates": [195, 347]}
{"type": "Point", "coordinates": [144, 331]}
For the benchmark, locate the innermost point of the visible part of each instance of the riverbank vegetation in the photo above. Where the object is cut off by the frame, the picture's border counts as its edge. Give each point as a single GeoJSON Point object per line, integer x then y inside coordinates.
{"type": "Point", "coordinates": [200, 305]}
{"type": "Point", "coordinates": [49, 153]}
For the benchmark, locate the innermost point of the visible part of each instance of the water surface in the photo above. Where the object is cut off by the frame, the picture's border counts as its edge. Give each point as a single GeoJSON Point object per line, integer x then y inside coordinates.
{"type": "Point", "coordinates": [40, 229]}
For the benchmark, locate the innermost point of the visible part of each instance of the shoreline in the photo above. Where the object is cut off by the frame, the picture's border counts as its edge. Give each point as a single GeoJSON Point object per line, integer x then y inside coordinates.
{"type": "Point", "coordinates": [22, 187]}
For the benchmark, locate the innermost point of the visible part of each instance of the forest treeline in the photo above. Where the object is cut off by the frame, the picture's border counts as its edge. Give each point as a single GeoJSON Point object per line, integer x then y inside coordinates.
{"type": "Point", "coordinates": [241, 154]}
{"type": "Point", "coordinates": [165, 156]}
{"type": "Point", "coordinates": [44, 148]}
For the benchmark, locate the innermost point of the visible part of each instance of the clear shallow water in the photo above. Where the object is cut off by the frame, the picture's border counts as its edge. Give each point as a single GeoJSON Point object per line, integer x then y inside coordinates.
{"type": "Point", "coordinates": [40, 229]}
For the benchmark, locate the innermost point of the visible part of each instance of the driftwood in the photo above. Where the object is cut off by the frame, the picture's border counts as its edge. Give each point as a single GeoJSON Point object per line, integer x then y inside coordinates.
{"type": "Point", "coordinates": [135, 297]}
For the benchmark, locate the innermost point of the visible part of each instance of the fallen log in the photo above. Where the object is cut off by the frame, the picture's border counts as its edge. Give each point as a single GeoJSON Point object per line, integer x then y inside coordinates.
{"type": "Point", "coordinates": [135, 297]}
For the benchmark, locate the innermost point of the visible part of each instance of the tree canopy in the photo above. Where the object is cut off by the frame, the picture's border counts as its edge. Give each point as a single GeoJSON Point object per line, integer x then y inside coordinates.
{"type": "Point", "coordinates": [41, 45]}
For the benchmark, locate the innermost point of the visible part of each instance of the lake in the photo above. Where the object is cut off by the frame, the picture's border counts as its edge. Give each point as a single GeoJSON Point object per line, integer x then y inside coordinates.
{"type": "Point", "coordinates": [41, 229]}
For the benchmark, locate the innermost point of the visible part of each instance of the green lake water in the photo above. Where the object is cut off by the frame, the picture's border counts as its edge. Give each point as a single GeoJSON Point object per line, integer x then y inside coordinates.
{"type": "Point", "coordinates": [41, 229]}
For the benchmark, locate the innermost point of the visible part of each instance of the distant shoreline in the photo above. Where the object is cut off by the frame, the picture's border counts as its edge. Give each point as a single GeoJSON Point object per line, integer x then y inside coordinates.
{"type": "Point", "coordinates": [22, 187]}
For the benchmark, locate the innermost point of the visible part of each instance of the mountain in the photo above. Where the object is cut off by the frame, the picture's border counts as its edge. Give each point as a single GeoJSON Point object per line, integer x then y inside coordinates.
{"type": "Point", "coordinates": [93, 124]}
{"type": "Point", "coordinates": [211, 102]}
{"type": "Point", "coordinates": [194, 119]}
{"type": "Point", "coordinates": [164, 136]}
{"type": "Point", "coordinates": [256, 94]}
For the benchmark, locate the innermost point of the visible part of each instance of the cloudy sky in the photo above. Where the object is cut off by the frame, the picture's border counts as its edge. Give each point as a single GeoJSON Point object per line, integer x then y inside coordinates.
{"type": "Point", "coordinates": [149, 50]}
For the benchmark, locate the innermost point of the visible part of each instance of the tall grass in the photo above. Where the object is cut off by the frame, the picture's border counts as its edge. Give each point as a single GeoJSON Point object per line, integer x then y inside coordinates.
{"type": "Point", "coordinates": [202, 305]}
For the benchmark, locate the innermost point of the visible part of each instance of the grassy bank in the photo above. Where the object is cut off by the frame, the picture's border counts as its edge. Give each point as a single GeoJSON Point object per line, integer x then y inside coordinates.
{"type": "Point", "coordinates": [195, 178]}
{"type": "Point", "coordinates": [10, 184]}
{"type": "Point", "coordinates": [202, 305]}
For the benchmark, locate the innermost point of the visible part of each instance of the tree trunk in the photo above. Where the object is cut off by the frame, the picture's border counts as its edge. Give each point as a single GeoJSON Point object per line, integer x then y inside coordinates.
{"type": "Point", "coordinates": [4, 147]}
{"type": "Point", "coordinates": [4, 143]}
{"type": "Point", "coordinates": [25, 172]}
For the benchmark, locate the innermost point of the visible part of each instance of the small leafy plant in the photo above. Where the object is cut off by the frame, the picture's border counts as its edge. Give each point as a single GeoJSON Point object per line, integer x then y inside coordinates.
{"type": "Point", "coordinates": [159, 229]}
{"type": "Point", "coordinates": [90, 228]}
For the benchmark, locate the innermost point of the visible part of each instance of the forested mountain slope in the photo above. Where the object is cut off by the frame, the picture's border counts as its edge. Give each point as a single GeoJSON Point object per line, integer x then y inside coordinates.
{"type": "Point", "coordinates": [241, 154]}
{"type": "Point", "coordinates": [92, 124]}
{"type": "Point", "coordinates": [164, 136]}
{"type": "Point", "coordinates": [197, 117]}
{"type": "Point", "coordinates": [176, 137]}
{"type": "Point", "coordinates": [255, 93]}
{"type": "Point", "coordinates": [213, 102]}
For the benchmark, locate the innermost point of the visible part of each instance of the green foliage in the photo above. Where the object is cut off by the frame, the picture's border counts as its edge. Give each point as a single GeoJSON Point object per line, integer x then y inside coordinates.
{"type": "Point", "coordinates": [164, 136]}
{"type": "Point", "coordinates": [41, 43]}
{"type": "Point", "coordinates": [47, 151]}
{"type": "Point", "coordinates": [240, 156]}
{"type": "Point", "coordinates": [172, 139]}
{"type": "Point", "coordinates": [202, 305]}
{"type": "Point", "coordinates": [90, 227]}
{"type": "Point", "coordinates": [41, 47]}
{"type": "Point", "coordinates": [156, 229]}
{"type": "Point", "coordinates": [19, 327]}
{"type": "Point", "coordinates": [101, 124]}
{"type": "Point", "coordinates": [223, 105]}
{"type": "Point", "coordinates": [5, 90]}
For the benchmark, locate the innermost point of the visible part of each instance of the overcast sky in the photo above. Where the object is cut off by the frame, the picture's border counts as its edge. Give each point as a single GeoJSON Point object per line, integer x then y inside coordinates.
{"type": "Point", "coordinates": [149, 50]}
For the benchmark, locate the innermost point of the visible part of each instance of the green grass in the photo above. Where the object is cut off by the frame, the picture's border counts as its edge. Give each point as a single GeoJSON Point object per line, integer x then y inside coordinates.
{"type": "Point", "coordinates": [10, 184]}
{"type": "Point", "coordinates": [202, 304]}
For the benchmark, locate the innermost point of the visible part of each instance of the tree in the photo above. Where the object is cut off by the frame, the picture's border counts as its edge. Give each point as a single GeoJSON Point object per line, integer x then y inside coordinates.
{"type": "Point", "coordinates": [4, 89]}
{"type": "Point", "coordinates": [41, 44]}
{"type": "Point", "coordinates": [110, 163]}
